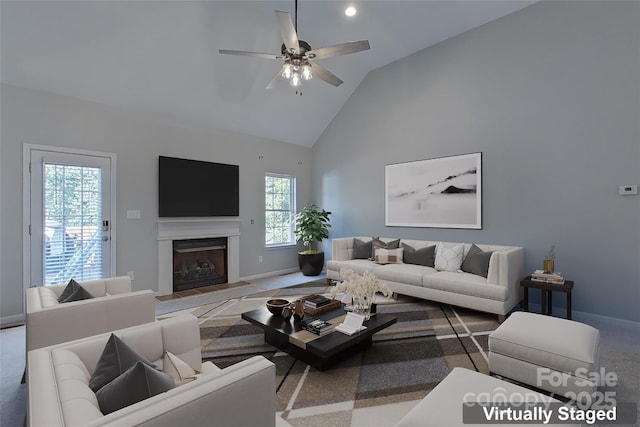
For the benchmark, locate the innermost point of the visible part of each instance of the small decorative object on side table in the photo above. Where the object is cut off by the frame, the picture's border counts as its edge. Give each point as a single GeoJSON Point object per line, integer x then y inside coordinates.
{"type": "Point", "coordinates": [547, 289]}
{"type": "Point", "coordinates": [550, 260]}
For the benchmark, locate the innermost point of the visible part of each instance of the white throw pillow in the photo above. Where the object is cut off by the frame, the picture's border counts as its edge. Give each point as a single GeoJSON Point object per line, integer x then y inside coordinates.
{"type": "Point", "coordinates": [388, 256]}
{"type": "Point", "coordinates": [178, 369]}
{"type": "Point", "coordinates": [449, 258]}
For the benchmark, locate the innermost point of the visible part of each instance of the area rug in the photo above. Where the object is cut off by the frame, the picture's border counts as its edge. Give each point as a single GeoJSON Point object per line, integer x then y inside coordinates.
{"type": "Point", "coordinates": [403, 364]}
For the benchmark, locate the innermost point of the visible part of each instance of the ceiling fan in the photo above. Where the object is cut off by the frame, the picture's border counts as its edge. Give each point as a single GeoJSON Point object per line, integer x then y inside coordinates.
{"type": "Point", "coordinates": [297, 55]}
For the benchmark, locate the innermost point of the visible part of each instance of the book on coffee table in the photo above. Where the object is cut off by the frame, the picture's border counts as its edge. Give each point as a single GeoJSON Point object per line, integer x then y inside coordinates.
{"type": "Point", "coordinates": [317, 310]}
{"type": "Point", "coordinates": [317, 326]}
{"type": "Point", "coordinates": [315, 300]}
{"type": "Point", "coordinates": [352, 323]}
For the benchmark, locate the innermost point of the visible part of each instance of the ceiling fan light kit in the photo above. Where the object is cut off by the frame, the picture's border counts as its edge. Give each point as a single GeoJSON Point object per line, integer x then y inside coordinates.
{"type": "Point", "coordinates": [298, 54]}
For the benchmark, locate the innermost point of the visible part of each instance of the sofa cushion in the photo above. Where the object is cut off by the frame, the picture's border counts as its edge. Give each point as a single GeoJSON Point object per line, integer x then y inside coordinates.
{"type": "Point", "coordinates": [477, 261]}
{"type": "Point", "coordinates": [78, 295]}
{"type": "Point", "coordinates": [449, 257]}
{"type": "Point", "coordinates": [137, 383]}
{"type": "Point", "coordinates": [388, 256]}
{"type": "Point", "coordinates": [48, 297]}
{"type": "Point", "coordinates": [115, 359]}
{"type": "Point", "coordinates": [71, 287]}
{"type": "Point", "coordinates": [78, 403]}
{"type": "Point", "coordinates": [376, 243]}
{"type": "Point", "coordinates": [404, 273]}
{"type": "Point", "coordinates": [359, 266]}
{"type": "Point", "coordinates": [178, 369]}
{"type": "Point", "coordinates": [423, 256]}
{"type": "Point", "coordinates": [465, 284]}
{"type": "Point", "coordinates": [361, 249]}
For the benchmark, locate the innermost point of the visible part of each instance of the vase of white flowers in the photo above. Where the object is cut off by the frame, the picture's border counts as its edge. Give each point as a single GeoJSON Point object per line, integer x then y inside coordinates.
{"type": "Point", "coordinates": [361, 288]}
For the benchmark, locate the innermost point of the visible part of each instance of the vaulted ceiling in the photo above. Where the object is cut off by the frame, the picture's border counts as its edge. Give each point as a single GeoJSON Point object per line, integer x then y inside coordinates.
{"type": "Point", "coordinates": [161, 57]}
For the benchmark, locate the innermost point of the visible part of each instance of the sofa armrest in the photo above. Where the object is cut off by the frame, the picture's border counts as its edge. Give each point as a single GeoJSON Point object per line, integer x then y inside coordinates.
{"type": "Point", "coordinates": [79, 319]}
{"type": "Point", "coordinates": [242, 395]}
{"type": "Point", "coordinates": [511, 269]}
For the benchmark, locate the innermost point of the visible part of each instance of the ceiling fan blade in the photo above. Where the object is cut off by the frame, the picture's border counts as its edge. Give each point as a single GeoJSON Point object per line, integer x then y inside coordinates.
{"type": "Point", "coordinates": [255, 54]}
{"type": "Point", "coordinates": [288, 31]}
{"type": "Point", "coordinates": [273, 81]}
{"type": "Point", "coordinates": [338, 49]}
{"type": "Point", "coordinates": [324, 74]}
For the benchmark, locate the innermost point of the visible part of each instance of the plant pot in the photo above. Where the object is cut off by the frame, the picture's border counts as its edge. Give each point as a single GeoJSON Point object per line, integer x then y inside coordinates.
{"type": "Point", "coordinates": [549, 265]}
{"type": "Point", "coordinates": [311, 264]}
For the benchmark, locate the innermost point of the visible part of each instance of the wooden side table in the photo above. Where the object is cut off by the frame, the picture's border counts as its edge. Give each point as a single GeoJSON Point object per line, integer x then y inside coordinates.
{"type": "Point", "coordinates": [547, 289]}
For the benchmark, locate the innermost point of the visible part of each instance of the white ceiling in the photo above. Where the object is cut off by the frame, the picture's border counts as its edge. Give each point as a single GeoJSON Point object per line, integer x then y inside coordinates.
{"type": "Point", "coordinates": [161, 57]}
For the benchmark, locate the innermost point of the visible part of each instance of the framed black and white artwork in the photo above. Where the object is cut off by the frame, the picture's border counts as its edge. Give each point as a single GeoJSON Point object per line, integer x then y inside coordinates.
{"type": "Point", "coordinates": [445, 192]}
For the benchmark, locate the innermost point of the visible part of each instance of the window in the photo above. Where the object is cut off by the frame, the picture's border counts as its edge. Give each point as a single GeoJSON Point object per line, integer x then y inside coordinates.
{"type": "Point", "coordinates": [280, 202]}
{"type": "Point", "coordinates": [73, 219]}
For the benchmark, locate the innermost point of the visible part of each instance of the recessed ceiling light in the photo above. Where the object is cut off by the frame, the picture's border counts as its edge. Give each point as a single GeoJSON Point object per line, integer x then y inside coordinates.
{"type": "Point", "coordinates": [350, 11]}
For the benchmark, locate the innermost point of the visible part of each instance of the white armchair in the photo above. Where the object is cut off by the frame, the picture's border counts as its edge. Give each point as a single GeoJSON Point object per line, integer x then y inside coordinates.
{"type": "Point", "coordinates": [58, 392]}
{"type": "Point", "coordinates": [114, 307]}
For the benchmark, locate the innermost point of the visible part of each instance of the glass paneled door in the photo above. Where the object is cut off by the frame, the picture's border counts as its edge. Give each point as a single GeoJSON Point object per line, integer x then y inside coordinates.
{"type": "Point", "coordinates": [70, 209]}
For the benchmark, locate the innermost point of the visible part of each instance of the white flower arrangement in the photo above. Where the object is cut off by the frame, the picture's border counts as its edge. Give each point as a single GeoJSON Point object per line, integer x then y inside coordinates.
{"type": "Point", "coordinates": [362, 286]}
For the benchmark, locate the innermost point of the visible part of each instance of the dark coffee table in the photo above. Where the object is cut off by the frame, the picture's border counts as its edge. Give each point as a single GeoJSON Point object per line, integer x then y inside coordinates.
{"type": "Point", "coordinates": [319, 352]}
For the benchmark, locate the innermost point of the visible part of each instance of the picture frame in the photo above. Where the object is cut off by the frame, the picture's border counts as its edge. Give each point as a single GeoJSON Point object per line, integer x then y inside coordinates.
{"type": "Point", "coordinates": [444, 192]}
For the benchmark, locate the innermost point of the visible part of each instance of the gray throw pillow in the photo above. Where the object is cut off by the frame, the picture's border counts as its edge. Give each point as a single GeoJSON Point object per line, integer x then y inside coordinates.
{"type": "Point", "coordinates": [477, 261]}
{"type": "Point", "coordinates": [361, 250]}
{"type": "Point", "coordinates": [376, 243]}
{"type": "Point", "coordinates": [78, 295]}
{"type": "Point", "coordinates": [423, 256]}
{"type": "Point", "coordinates": [116, 358]}
{"type": "Point", "coordinates": [137, 383]}
{"type": "Point", "coordinates": [71, 287]}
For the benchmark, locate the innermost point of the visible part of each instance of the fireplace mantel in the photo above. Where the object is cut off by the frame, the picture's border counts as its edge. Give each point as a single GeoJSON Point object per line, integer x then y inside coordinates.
{"type": "Point", "coordinates": [196, 228]}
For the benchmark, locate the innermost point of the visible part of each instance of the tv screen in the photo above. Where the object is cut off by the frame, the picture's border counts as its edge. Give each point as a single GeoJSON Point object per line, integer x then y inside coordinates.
{"type": "Point", "coordinates": [189, 188]}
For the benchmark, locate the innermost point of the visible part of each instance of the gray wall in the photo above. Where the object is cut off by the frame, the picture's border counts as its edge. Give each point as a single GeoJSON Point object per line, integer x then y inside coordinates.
{"type": "Point", "coordinates": [47, 119]}
{"type": "Point", "coordinates": [551, 96]}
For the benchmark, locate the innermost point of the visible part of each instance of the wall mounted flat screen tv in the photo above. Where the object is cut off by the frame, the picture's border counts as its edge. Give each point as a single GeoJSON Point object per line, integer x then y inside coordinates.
{"type": "Point", "coordinates": [190, 188]}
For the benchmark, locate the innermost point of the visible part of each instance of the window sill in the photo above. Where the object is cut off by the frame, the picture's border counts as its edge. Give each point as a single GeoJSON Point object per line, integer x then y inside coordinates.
{"type": "Point", "coordinates": [282, 246]}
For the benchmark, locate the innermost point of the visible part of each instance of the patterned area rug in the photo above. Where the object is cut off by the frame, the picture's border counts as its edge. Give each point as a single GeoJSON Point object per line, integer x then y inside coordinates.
{"type": "Point", "coordinates": [403, 364]}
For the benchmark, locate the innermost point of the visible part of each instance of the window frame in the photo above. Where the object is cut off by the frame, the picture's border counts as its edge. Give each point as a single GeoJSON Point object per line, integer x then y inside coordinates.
{"type": "Point", "coordinates": [291, 211]}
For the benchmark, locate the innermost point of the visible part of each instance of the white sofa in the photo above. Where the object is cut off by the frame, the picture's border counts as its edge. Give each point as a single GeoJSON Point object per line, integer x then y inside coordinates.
{"type": "Point", "coordinates": [498, 293]}
{"type": "Point", "coordinates": [114, 307]}
{"type": "Point", "coordinates": [58, 392]}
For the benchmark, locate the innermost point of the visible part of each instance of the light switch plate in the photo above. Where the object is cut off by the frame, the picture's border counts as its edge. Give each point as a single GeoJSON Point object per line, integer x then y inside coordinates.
{"type": "Point", "coordinates": [628, 189]}
{"type": "Point", "coordinates": [133, 214]}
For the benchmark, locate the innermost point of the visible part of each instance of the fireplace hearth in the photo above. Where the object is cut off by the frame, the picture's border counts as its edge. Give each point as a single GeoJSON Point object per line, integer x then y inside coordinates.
{"type": "Point", "coordinates": [199, 262]}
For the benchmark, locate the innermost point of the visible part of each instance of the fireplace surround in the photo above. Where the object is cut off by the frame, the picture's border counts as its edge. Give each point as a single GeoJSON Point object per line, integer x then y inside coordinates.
{"type": "Point", "coordinates": [170, 230]}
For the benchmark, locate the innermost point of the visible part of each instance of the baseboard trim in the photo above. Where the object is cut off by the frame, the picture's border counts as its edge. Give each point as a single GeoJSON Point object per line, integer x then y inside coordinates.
{"type": "Point", "coordinates": [10, 321]}
{"type": "Point", "coordinates": [585, 317]}
{"type": "Point", "coordinates": [270, 274]}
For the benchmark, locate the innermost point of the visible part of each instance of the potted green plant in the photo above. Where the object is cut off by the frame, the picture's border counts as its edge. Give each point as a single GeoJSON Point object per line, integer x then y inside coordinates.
{"type": "Point", "coordinates": [312, 225]}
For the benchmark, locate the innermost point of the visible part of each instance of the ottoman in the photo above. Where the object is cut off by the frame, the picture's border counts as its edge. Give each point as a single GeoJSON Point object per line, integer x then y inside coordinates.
{"type": "Point", "coordinates": [443, 405]}
{"type": "Point", "coordinates": [553, 354]}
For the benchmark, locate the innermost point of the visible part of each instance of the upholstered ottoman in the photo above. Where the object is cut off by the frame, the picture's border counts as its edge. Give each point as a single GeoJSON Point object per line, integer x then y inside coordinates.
{"type": "Point", "coordinates": [553, 354]}
{"type": "Point", "coordinates": [443, 405]}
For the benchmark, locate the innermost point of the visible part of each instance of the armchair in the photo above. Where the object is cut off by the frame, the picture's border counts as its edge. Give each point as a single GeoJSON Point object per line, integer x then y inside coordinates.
{"type": "Point", "coordinates": [58, 392]}
{"type": "Point", "coordinates": [114, 307]}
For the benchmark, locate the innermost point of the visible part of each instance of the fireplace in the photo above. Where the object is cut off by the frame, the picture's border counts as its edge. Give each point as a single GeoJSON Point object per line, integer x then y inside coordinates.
{"type": "Point", "coordinates": [171, 230]}
{"type": "Point", "coordinates": [199, 262]}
